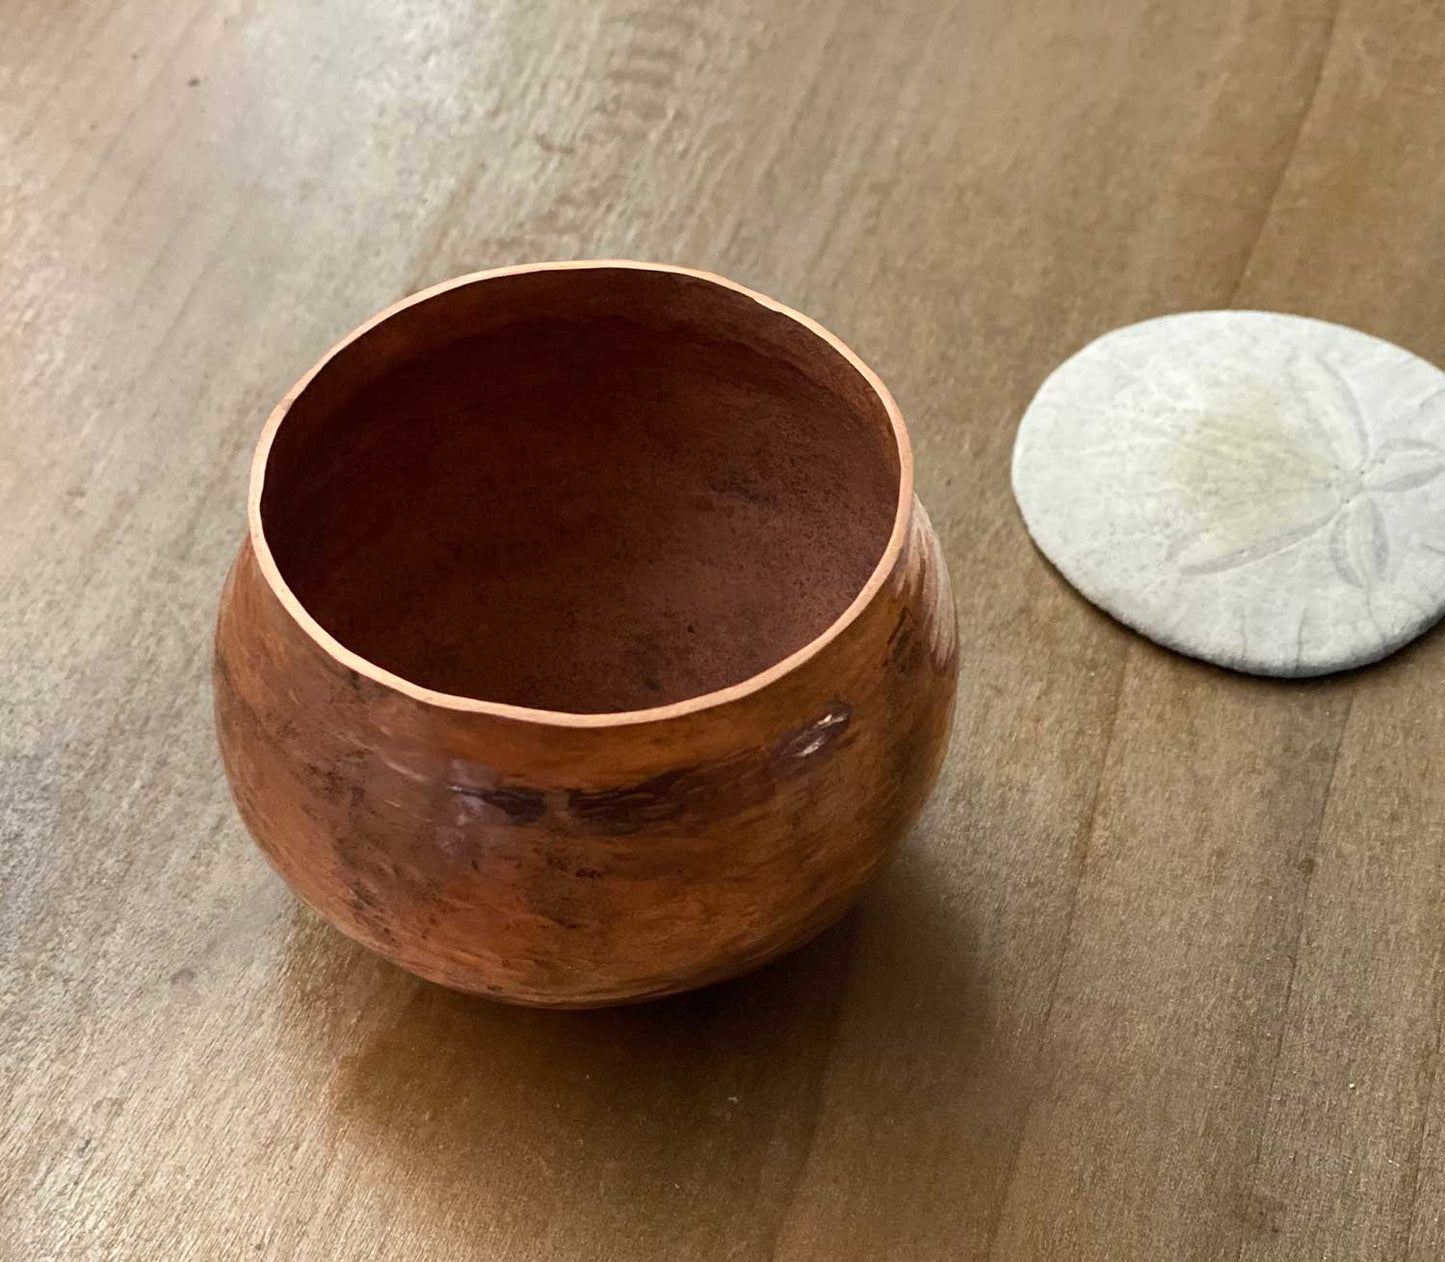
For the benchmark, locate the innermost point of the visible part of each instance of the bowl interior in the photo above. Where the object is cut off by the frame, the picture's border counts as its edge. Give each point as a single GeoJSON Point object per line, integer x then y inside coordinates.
{"type": "Point", "coordinates": [588, 490]}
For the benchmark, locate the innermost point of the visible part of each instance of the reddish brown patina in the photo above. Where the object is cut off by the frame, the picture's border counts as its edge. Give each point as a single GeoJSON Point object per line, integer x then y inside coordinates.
{"type": "Point", "coordinates": [588, 643]}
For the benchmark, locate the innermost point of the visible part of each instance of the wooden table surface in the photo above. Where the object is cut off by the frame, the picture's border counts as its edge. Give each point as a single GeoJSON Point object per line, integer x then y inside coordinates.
{"type": "Point", "coordinates": [1159, 974]}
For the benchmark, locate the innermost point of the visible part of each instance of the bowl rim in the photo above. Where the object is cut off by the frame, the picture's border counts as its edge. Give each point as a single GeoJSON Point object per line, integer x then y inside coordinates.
{"type": "Point", "coordinates": [566, 718]}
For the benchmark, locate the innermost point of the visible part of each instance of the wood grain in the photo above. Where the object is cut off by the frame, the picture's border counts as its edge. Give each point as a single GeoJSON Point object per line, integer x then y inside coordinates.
{"type": "Point", "coordinates": [1159, 975]}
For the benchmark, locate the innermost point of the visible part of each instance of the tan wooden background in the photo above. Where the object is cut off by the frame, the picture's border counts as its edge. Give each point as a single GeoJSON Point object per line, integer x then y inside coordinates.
{"type": "Point", "coordinates": [1160, 974]}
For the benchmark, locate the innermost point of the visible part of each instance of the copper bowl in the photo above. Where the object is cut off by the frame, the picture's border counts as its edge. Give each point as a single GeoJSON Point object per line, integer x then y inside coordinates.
{"type": "Point", "coordinates": [588, 643]}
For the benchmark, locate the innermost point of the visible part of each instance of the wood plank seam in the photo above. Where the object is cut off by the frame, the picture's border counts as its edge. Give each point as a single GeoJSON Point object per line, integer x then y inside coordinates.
{"type": "Point", "coordinates": [1252, 1176]}
{"type": "Point", "coordinates": [1319, 78]}
{"type": "Point", "coordinates": [1406, 1227]}
{"type": "Point", "coordinates": [1066, 939]}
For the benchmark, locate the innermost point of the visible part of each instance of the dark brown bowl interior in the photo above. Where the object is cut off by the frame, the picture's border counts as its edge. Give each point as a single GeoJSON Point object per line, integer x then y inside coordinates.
{"type": "Point", "coordinates": [586, 490]}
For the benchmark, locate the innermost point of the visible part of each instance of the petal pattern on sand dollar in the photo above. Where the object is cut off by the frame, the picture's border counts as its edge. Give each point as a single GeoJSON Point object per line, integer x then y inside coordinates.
{"type": "Point", "coordinates": [1402, 464]}
{"type": "Point", "coordinates": [1329, 408]}
{"type": "Point", "coordinates": [1359, 544]}
{"type": "Point", "coordinates": [1207, 553]}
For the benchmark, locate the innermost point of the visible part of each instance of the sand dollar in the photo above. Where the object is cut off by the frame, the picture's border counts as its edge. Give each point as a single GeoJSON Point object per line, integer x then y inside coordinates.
{"type": "Point", "coordinates": [1262, 491]}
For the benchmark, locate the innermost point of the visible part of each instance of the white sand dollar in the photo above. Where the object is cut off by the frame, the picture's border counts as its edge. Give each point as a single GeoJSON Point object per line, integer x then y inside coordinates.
{"type": "Point", "coordinates": [1262, 491]}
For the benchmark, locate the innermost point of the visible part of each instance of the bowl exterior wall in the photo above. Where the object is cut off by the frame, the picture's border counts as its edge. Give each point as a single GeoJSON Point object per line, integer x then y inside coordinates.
{"type": "Point", "coordinates": [567, 866]}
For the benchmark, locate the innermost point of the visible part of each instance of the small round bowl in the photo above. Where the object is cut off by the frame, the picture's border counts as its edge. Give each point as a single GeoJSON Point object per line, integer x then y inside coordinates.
{"type": "Point", "coordinates": [588, 643]}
